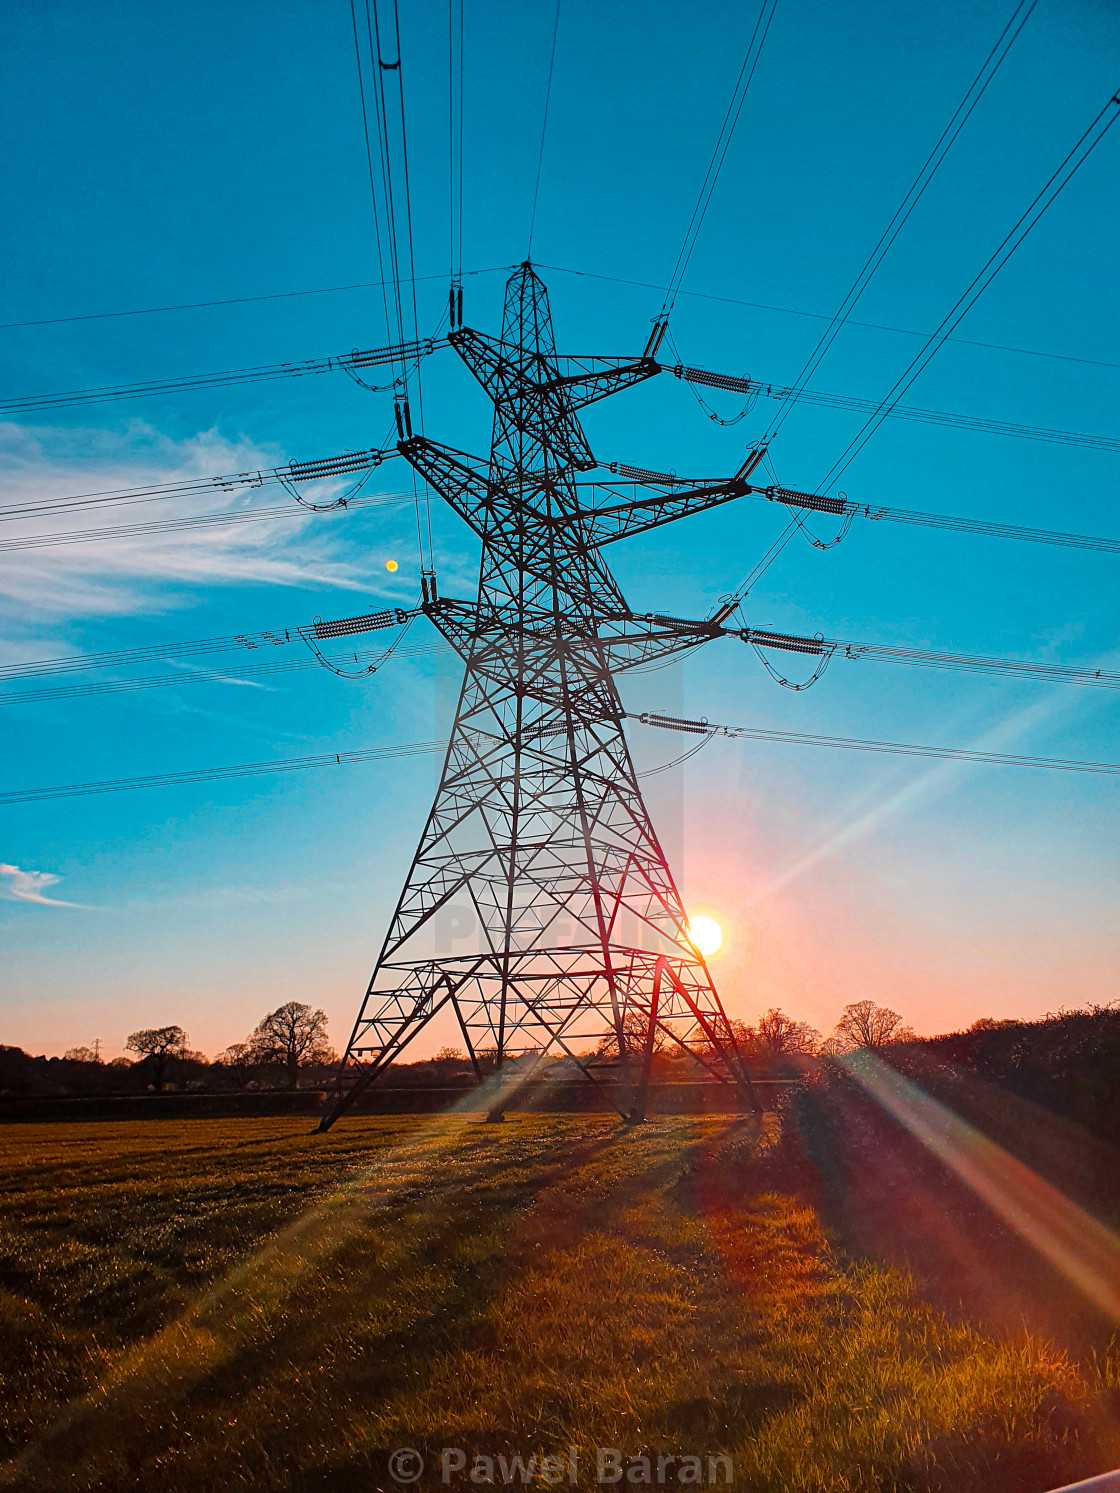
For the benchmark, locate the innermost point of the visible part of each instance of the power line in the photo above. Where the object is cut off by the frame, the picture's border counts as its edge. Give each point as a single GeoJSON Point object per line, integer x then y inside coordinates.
{"type": "Point", "coordinates": [856, 744]}
{"type": "Point", "coordinates": [873, 326]}
{"type": "Point", "coordinates": [363, 463]}
{"type": "Point", "coordinates": [1060, 178]}
{"type": "Point", "coordinates": [455, 158]}
{"type": "Point", "coordinates": [544, 129]}
{"type": "Point", "coordinates": [824, 649]}
{"type": "Point", "coordinates": [719, 155]}
{"type": "Point", "coordinates": [240, 300]}
{"type": "Point", "coordinates": [277, 637]}
{"type": "Point", "coordinates": [346, 464]}
{"type": "Point", "coordinates": [228, 519]}
{"type": "Point", "coordinates": [349, 363]}
{"type": "Point", "coordinates": [696, 295]}
{"type": "Point", "coordinates": [369, 163]}
{"type": "Point", "coordinates": [843, 507]}
{"type": "Point", "coordinates": [756, 388]}
{"type": "Point", "coordinates": [219, 774]}
{"type": "Point", "coordinates": [246, 673]}
{"type": "Point", "coordinates": [914, 194]}
{"type": "Point", "coordinates": [649, 718]}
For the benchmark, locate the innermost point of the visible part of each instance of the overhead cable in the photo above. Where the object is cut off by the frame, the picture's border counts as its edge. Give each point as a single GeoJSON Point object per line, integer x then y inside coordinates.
{"type": "Point", "coordinates": [223, 520]}
{"type": "Point", "coordinates": [544, 129]}
{"type": "Point", "coordinates": [649, 718]}
{"type": "Point", "coordinates": [751, 387]}
{"type": "Point", "coordinates": [347, 464]}
{"type": "Point", "coordinates": [914, 194]}
{"type": "Point", "coordinates": [219, 774]}
{"type": "Point", "coordinates": [715, 165]}
{"type": "Point", "coordinates": [240, 300]}
{"type": "Point", "coordinates": [455, 158]}
{"type": "Point", "coordinates": [277, 637]}
{"type": "Point", "coordinates": [872, 326]}
{"type": "Point", "coordinates": [1064, 173]}
{"type": "Point", "coordinates": [822, 648]}
{"type": "Point", "coordinates": [347, 362]}
{"type": "Point", "coordinates": [842, 506]}
{"type": "Point", "coordinates": [247, 673]}
{"type": "Point", "coordinates": [855, 744]}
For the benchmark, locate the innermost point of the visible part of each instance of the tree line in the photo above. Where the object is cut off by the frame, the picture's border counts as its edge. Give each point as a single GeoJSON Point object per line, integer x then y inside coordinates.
{"type": "Point", "coordinates": [285, 1042]}
{"type": "Point", "coordinates": [294, 1038]}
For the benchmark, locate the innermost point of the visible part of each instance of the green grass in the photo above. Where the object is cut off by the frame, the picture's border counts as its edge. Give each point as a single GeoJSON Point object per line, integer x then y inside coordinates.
{"type": "Point", "coordinates": [241, 1305]}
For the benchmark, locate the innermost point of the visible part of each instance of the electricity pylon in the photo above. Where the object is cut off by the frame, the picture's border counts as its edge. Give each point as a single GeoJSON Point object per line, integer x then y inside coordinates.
{"type": "Point", "coordinates": [538, 823]}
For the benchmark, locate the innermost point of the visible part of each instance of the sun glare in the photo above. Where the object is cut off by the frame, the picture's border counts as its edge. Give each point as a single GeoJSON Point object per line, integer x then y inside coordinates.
{"type": "Point", "coordinates": [706, 935]}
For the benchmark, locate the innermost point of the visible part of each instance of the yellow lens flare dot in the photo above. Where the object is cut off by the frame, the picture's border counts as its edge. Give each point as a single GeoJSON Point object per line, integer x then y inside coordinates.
{"type": "Point", "coordinates": [391, 566]}
{"type": "Point", "coordinates": [706, 935]}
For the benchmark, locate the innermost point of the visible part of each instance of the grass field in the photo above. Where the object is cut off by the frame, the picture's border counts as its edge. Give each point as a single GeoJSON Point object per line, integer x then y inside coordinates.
{"type": "Point", "coordinates": [242, 1305]}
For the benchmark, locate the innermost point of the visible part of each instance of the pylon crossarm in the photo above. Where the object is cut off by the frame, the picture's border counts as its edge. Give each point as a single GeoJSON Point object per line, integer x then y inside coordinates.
{"type": "Point", "coordinates": [623, 520]}
{"type": "Point", "coordinates": [582, 389]}
{"type": "Point", "coordinates": [536, 408]}
{"type": "Point", "coordinates": [461, 480]}
{"type": "Point", "coordinates": [640, 639]}
{"type": "Point", "coordinates": [583, 380]}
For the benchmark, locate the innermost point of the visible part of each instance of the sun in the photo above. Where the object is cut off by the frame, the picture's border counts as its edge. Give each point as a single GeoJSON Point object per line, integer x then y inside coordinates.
{"type": "Point", "coordinates": [706, 935]}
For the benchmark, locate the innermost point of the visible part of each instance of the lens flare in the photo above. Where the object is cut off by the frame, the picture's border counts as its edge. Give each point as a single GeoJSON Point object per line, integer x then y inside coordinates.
{"type": "Point", "coordinates": [706, 935]}
{"type": "Point", "coordinates": [1079, 1245]}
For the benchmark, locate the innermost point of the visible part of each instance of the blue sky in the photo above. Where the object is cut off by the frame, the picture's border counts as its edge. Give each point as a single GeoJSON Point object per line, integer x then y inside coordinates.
{"type": "Point", "coordinates": [162, 155]}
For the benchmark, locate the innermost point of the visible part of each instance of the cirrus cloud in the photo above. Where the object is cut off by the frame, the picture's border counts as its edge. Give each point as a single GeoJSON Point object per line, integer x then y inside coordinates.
{"type": "Point", "coordinates": [30, 886]}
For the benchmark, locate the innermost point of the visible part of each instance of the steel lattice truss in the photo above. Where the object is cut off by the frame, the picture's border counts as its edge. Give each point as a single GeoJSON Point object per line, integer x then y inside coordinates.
{"type": "Point", "coordinates": [538, 823]}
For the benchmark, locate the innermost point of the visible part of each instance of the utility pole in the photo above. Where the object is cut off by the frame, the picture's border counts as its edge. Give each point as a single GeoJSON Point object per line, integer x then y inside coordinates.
{"type": "Point", "coordinates": [538, 823]}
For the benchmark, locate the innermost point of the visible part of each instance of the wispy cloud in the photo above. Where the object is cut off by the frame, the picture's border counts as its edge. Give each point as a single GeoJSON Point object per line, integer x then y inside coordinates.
{"type": "Point", "coordinates": [30, 886]}
{"type": "Point", "coordinates": [43, 587]}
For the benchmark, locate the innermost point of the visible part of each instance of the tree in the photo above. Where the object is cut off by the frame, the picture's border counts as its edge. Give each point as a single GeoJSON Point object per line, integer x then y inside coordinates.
{"type": "Point", "coordinates": [994, 1023]}
{"type": "Point", "coordinates": [237, 1061]}
{"type": "Point", "coordinates": [781, 1036]}
{"type": "Point", "coordinates": [635, 1031]}
{"type": "Point", "coordinates": [864, 1024]}
{"type": "Point", "coordinates": [158, 1045]}
{"type": "Point", "coordinates": [81, 1055]}
{"type": "Point", "coordinates": [294, 1035]}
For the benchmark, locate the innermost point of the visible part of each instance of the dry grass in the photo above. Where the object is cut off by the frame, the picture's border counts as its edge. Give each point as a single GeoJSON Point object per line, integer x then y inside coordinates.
{"type": "Point", "coordinates": [239, 1305]}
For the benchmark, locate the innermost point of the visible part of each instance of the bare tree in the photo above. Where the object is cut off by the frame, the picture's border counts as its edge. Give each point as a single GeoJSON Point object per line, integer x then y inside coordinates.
{"type": "Point", "coordinates": [782, 1036]}
{"type": "Point", "coordinates": [635, 1032]}
{"type": "Point", "coordinates": [238, 1061]}
{"type": "Point", "coordinates": [864, 1024]}
{"type": "Point", "coordinates": [294, 1035]}
{"type": "Point", "coordinates": [158, 1045]}
{"type": "Point", "coordinates": [81, 1055]}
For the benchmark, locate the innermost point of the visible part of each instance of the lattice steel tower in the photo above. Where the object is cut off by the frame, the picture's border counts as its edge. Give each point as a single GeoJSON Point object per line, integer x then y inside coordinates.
{"type": "Point", "coordinates": [538, 823]}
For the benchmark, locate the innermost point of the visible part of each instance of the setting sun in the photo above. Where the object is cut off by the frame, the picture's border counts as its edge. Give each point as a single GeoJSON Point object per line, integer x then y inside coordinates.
{"type": "Point", "coordinates": [706, 935]}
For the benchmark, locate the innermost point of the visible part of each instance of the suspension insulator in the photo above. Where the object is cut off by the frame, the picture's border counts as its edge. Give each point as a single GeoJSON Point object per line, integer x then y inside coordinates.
{"type": "Point", "coordinates": [812, 500]}
{"type": "Point", "coordinates": [333, 466]}
{"type": "Point", "coordinates": [370, 623]}
{"type": "Point", "coordinates": [791, 644]}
